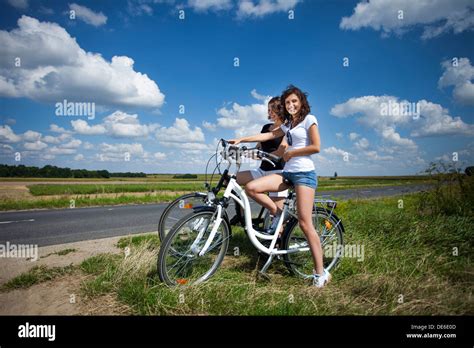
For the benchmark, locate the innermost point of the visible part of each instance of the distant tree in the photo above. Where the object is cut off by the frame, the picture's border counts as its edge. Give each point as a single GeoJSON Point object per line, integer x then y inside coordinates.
{"type": "Point", "coordinates": [185, 176]}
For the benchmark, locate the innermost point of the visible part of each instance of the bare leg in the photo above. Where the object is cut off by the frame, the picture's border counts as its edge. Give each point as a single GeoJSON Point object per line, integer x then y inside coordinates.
{"type": "Point", "coordinates": [279, 203]}
{"type": "Point", "coordinates": [270, 183]}
{"type": "Point", "coordinates": [244, 177]}
{"type": "Point", "coordinates": [304, 203]}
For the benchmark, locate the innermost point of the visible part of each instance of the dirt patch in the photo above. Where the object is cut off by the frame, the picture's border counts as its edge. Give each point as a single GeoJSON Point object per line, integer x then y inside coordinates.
{"type": "Point", "coordinates": [60, 296]}
{"type": "Point", "coordinates": [12, 267]}
{"type": "Point", "coordinates": [49, 298]}
{"type": "Point", "coordinates": [16, 191]}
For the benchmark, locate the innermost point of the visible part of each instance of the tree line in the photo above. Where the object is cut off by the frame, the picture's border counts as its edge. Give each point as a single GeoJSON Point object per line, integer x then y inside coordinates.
{"type": "Point", "coordinates": [49, 171]}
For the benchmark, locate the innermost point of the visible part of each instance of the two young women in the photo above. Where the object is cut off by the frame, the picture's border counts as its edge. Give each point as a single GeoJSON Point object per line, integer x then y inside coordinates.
{"type": "Point", "coordinates": [302, 136]}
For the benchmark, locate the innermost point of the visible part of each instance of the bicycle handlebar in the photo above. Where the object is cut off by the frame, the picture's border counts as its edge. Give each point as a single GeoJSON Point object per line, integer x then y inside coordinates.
{"type": "Point", "coordinates": [230, 151]}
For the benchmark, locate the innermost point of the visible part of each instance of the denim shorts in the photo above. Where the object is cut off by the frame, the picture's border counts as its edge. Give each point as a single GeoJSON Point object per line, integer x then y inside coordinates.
{"type": "Point", "coordinates": [302, 178]}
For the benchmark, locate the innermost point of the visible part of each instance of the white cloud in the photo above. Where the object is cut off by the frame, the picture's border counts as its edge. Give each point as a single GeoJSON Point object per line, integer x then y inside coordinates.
{"type": "Point", "coordinates": [47, 157]}
{"type": "Point", "coordinates": [353, 136]}
{"type": "Point", "coordinates": [435, 16]}
{"type": "Point", "coordinates": [118, 124]}
{"type": "Point", "coordinates": [209, 126]}
{"type": "Point", "coordinates": [87, 15]}
{"type": "Point", "coordinates": [132, 149]}
{"type": "Point", "coordinates": [334, 151]}
{"type": "Point", "coordinates": [159, 156]}
{"type": "Point", "coordinates": [56, 129]}
{"type": "Point", "coordinates": [10, 121]}
{"type": "Point", "coordinates": [88, 146]}
{"type": "Point", "coordinates": [82, 127]}
{"type": "Point", "coordinates": [433, 119]}
{"type": "Point", "coordinates": [459, 74]}
{"type": "Point", "coordinates": [339, 136]}
{"type": "Point", "coordinates": [7, 135]}
{"type": "Point", "coordinates": [6, 149]}
{"type": "Point", "coordinates": [260, 8]}
{"type": "Point", "coordinates": [362, 144]}
{"type": "Point", "coordinates": [245, 119]}
{"type": "Point", "coordinates": [189, 146]}
{"type": "Point", "coordinates": [73, 144]}
{"type": "Point", "coordinates": [31, 136]}
{"type": "Point", "coordinates": [180, 132]}
{"type": "Point", "coordinates": [389, 133]}
{"type": "Point", "coordinates": [210, 5]}
{"type": "Point", "coordinates": [19, 4]}
{"type": "Point", "coordinates": [57, 68]}
{"type": "Point", "coordinates": [120, 152]}
{"type": "Point", "coordinates": [79, 157]}
{"type": "Point", "coordinates": [55, 140]}
{"type": "Point", "coordinates": [55, 150]}
{"type": "Point", "coordinates": [370, 109]}
{"type": "Point", "coordinates": [121, 124]}
{"type": "Point", "coordinates": [35, 146]}
{"type": "Point", "coordinates": [373, 155]}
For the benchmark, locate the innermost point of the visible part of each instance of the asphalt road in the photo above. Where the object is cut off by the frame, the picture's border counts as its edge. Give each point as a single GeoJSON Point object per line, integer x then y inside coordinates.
{"type": "Point", "coordinates": [57, 226]}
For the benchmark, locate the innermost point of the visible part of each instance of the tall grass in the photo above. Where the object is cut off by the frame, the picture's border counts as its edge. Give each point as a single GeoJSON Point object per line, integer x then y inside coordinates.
{"type": "Point", "coordinates": [453, 191]}
{"type": "Point", "coordinates": [410, 267]}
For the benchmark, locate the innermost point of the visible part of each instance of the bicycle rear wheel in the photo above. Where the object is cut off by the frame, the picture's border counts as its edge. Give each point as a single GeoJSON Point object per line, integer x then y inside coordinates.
{"type": "Point", "coordinates": [177, 209]}
{"type": "Point", "coordinates": [330, 231]}
{"type": "Point", "coordinates": [179, 262]}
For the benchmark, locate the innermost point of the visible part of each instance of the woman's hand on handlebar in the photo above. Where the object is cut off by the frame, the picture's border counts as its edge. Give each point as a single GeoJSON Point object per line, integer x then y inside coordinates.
{"type": "Point", "coordinates": [234, 141]}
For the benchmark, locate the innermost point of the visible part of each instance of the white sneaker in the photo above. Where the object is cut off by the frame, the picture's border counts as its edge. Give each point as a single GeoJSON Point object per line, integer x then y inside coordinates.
{"type": "Point", "coordinates": [320, 281]}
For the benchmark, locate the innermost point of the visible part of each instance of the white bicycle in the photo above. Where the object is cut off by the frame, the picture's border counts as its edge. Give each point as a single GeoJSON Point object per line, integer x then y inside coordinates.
{"type": "Point", "coordinates": [195, 246]}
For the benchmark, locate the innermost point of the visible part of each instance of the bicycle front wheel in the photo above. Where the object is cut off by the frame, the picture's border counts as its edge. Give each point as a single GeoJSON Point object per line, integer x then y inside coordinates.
{"type": "Point", "coordinates": [179, 262]}
{"type": "Point", "coordinates": [330, 230]}
{"type": "Point", "coordinates": [177, 209]}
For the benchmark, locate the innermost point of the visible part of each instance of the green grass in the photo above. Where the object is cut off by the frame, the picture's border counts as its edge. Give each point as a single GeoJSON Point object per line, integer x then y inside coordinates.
{"type": "Point", "coordinates": [138, 240]}
{"type": "Point", "coordinates": [84, 189]}
{"type": "Point", "coordinates": [36, 275]}
{"type": "Point", "coordinates": [64, 203]}
{"type": "Point", "coordinates": [417, 261]}
{"type": "Point", "coordinates": [324, 184]}
{"type": "Point", "coordinates": [409, 268]}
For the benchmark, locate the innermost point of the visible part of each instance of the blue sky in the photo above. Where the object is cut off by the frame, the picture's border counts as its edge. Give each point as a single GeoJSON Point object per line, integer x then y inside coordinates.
{"type": "Point", "coordinates": [422, 55]}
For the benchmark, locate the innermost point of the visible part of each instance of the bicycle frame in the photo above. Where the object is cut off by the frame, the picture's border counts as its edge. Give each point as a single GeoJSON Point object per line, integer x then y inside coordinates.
{"type": "Point", "coordinates": [253, 234]}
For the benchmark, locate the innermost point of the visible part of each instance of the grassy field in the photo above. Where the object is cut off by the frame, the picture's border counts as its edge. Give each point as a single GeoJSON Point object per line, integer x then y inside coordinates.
{"type": "Point", "coordinates": [34, 193]}
{"type": "Point", "coordinates": [324, 185]}
{"type": "Point", "coordinates": [408, 268]}
{"type": "Point", "coordinates": [417, 261]}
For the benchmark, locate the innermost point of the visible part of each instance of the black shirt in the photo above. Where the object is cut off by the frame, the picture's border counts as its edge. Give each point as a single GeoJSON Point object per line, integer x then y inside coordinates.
{"type": "Point", "coordinates": [270, 146]}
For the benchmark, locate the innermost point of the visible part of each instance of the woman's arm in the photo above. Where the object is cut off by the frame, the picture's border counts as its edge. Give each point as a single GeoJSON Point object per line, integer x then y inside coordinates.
{"type": "Point", "coordinates": [313, 147]}
{"type": "Point", "coordinates": [259, 137]}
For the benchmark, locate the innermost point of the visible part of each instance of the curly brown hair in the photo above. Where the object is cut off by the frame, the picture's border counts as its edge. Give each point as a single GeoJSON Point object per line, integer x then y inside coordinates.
{"type": "Point", "coordinates": [305, 108]}
{"type": "Point", "coordinates": [275, 105]}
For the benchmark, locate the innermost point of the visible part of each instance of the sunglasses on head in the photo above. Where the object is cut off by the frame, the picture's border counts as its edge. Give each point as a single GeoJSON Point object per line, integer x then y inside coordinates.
{"type": "Point", "coordinates": [289, 138]}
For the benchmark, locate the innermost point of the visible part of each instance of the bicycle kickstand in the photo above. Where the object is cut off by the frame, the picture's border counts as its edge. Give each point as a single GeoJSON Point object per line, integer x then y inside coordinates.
{"type": "Point", "coordinates": [263, 271]}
